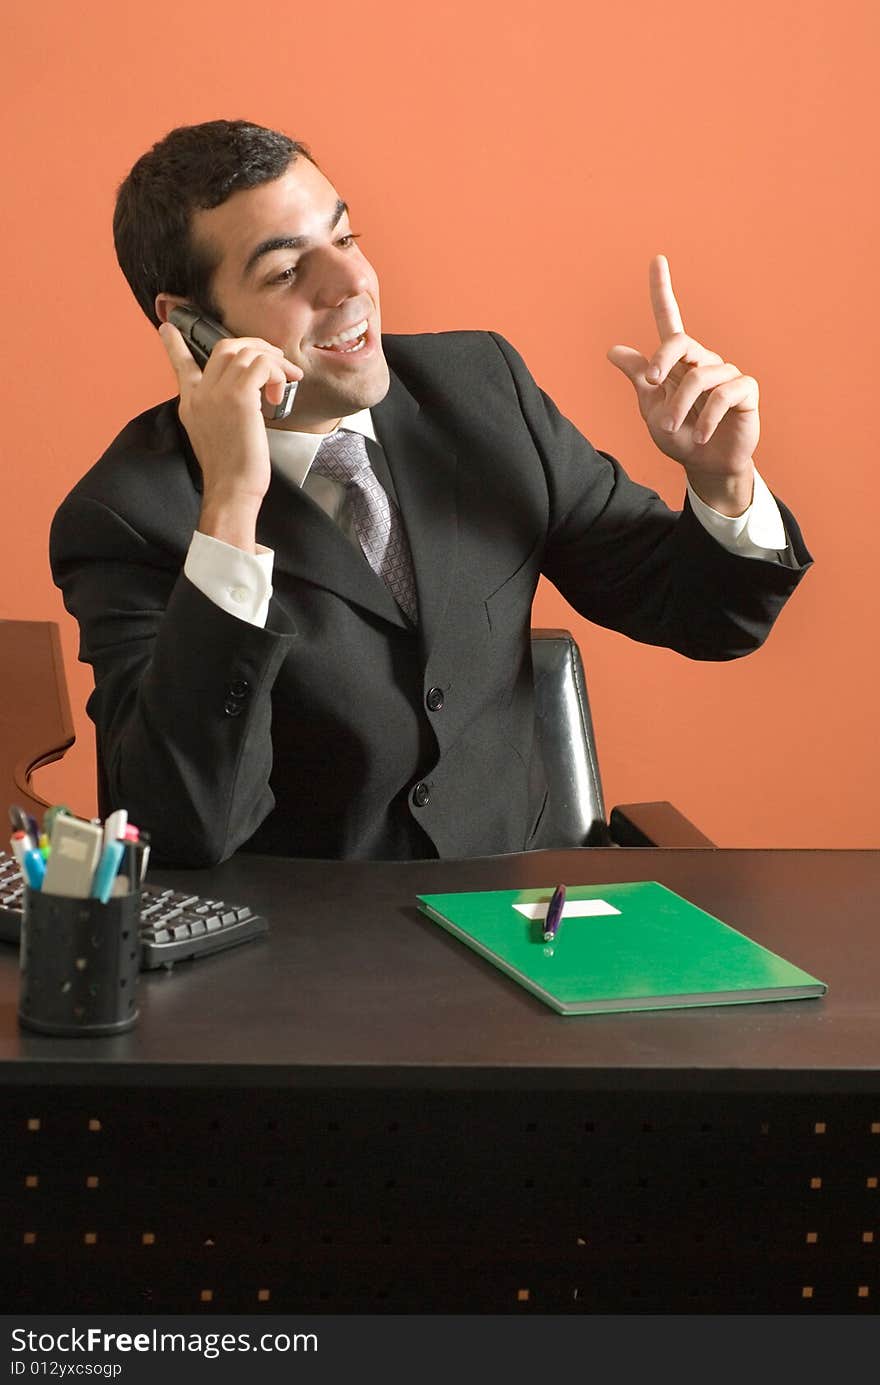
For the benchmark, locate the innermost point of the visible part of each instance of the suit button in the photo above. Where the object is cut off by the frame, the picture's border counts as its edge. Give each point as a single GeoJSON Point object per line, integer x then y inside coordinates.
{"type": "Point", "coordinates": [232, 707]}
{"type": "Point", "coordinates": [421, 794]}
{"type": "Point", "coordinates": [435, 699]}
{"type": "Point", "coordinates": [239, 689]}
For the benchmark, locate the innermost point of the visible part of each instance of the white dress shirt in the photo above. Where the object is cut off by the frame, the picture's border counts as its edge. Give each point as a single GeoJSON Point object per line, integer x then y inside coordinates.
{"type": "Point", "coordinates": [241, 583]}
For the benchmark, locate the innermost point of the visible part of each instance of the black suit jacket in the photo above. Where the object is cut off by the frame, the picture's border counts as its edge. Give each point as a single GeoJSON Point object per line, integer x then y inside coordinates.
{"type": "Point", "coordinates": [316, 736]}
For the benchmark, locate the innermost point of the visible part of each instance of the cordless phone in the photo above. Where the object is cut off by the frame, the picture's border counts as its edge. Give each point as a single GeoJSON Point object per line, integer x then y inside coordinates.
{"type": "Point", "coordinates": [201, 335]}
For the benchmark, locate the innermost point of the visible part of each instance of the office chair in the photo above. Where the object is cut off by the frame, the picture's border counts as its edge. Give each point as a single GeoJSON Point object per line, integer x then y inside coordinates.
{"type": "Point", "coordinates": [568, 750]}
{"type": "Point", "coordinates": [35, 722]}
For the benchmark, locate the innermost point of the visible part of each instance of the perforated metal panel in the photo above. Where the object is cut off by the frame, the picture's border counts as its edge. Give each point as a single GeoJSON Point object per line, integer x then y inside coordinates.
{"type": "Point", "coordinates": [414, 1201]}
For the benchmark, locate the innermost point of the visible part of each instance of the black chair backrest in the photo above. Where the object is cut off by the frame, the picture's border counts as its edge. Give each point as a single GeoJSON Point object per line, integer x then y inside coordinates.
{"type": "Point", "coordinates": [575, 805]}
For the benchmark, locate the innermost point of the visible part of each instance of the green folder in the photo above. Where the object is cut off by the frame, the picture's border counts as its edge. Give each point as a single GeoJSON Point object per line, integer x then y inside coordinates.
{"type": "Point", "coordinates": [635, 946]}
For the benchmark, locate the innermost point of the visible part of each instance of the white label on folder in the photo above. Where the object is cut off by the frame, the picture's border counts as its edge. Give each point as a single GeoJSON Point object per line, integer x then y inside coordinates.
{"type": "Point", "coordinates": [571, 909]}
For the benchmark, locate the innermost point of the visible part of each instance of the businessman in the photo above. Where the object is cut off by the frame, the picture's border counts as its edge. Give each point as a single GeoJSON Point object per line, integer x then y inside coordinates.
{"type": "Point", "coordinates": [312, 637]}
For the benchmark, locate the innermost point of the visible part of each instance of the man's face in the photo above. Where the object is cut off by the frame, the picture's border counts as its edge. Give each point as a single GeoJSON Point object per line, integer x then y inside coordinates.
{"type": "Point", "coordinates": [289, 270]}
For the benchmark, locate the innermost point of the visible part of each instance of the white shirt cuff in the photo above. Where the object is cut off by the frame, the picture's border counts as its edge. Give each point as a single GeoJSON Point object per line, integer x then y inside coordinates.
{"type": "Point", "coordinates": [239, 583]}
{"type": "Point", "coordinates": [757, 533]}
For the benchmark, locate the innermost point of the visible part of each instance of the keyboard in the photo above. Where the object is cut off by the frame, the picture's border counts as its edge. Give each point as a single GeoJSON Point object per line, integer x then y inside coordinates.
{"type": "Point", "coordinates": [175, 926]}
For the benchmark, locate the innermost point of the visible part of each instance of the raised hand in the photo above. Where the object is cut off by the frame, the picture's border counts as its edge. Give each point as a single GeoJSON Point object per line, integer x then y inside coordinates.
{"type": "Point", "coordinates": [700, 410]}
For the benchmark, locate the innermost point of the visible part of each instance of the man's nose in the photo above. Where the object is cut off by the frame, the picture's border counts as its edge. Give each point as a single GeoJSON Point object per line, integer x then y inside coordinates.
{"type": "Point", "coordinates": [343, 275]}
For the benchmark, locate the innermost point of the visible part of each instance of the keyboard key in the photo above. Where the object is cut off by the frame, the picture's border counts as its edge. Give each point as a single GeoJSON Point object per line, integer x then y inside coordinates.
{"type": "Point", "coordinates": [169, 914]}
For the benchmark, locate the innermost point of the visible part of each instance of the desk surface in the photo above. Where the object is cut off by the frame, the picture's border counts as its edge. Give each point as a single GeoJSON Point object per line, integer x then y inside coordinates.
{"type": "Point", "coordinates": [354, 987]}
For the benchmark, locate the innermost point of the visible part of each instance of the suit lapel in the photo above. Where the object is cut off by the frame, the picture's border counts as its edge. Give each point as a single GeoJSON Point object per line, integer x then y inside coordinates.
{"type": "Point", "coordinates": [423, 466]}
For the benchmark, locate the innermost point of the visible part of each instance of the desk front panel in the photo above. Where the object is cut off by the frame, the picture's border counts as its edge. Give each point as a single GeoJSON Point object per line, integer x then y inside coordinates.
{"type": "Point", "coordinates": [186, 1200]}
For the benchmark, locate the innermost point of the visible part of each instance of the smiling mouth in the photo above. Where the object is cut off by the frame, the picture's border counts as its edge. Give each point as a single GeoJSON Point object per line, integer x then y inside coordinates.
{"type": "Point", "coordinates": [346, 343]}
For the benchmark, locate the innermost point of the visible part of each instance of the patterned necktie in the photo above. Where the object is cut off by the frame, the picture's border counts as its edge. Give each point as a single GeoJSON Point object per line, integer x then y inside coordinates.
{"type": "Point", "coordinates": [343, 457]}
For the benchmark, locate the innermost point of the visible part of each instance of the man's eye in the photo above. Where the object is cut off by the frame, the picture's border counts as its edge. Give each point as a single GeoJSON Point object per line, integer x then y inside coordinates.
{"type": "Point", "coordinates": [286, 275]}
{"type": "Point", "coordinates": [347, 241]}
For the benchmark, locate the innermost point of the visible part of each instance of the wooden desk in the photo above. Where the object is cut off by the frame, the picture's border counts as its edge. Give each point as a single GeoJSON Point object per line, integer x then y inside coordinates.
{"type": "Point", "coordinates": [361, 1115]}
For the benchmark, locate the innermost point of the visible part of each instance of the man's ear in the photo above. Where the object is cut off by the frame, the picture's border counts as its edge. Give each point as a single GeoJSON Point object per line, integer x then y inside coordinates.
{"type": "Point", "coordinates": [165, 302]}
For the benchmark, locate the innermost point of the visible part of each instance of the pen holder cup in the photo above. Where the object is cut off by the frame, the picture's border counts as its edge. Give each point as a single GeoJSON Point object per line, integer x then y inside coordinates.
{"type": "Point", "coordinates": [79, 964]}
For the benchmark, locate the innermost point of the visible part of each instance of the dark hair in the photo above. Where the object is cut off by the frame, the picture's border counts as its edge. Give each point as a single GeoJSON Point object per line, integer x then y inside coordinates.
{"type": "Point", "coordinates": [193, 168]}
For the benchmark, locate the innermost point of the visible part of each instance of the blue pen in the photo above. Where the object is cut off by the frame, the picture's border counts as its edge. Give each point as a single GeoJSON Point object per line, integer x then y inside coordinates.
{"type": "Point", "coordinates": [34, 868]}
{"type": "Point", "coordinates": [102, 884]}
{"type": "Point", "coordinates": [554, 914]}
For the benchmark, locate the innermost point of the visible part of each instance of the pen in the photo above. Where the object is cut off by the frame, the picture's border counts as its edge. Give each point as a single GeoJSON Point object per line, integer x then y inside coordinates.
{"type": "Point", "coordinates": [145, 853]}
{"type": "Point", "coordinates": [115, 826]}
{"type": "Point", "coordinates": [554, 914]}
{"type": "Point", "coordinates": [21, 824]}
{"type": "Point", "coordinates": [105, 874]}
{"type": "Point", "coordinates": [19, 844]}
{"type": "Point", "coordinates": [34, 868]}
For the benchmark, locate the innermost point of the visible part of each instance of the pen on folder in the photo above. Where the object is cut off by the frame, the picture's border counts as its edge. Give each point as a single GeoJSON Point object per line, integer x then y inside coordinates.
{"type": "Point", "coordinates": [554, 914]}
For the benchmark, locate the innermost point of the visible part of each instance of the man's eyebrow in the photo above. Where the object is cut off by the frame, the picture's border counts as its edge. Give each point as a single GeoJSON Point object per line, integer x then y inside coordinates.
{"type": "Point", "coordinates": [289, 242]}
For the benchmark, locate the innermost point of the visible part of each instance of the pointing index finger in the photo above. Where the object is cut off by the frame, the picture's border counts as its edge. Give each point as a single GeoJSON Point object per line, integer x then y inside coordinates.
{"type": "Point", "coordinates": [666, 313]}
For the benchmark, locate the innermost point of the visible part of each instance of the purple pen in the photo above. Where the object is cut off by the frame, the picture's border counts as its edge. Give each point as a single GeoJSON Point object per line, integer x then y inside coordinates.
{"type": "Point", "coordinates": [554, 914]}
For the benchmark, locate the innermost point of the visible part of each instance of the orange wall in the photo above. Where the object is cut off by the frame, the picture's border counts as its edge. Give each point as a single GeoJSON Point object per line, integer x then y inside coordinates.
{"type": "Point", "coordinates": [513, 166]}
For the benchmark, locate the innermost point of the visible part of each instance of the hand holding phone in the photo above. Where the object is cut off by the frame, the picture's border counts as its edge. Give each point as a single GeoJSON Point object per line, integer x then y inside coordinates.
{"type": "Point", "coordinates": [201, 335]}
{"type": "Point", "coordinates": [223, 410]}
